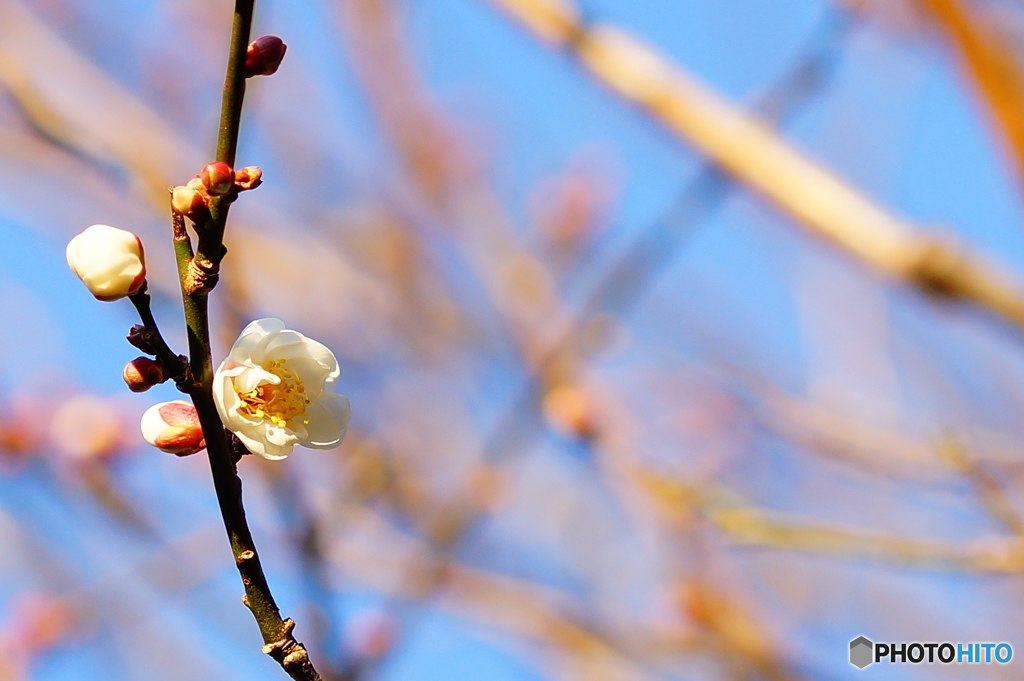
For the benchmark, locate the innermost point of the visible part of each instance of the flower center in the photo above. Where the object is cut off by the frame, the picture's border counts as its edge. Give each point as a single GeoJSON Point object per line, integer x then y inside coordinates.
{"type": "Point", "coordinates": [277, 403]}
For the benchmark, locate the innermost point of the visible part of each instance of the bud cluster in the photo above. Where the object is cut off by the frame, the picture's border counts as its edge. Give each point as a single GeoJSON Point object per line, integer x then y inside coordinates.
{"type": "Point", "coordinates": [216, 179]}
{"type": "Point", "coordinates": [111, 263]}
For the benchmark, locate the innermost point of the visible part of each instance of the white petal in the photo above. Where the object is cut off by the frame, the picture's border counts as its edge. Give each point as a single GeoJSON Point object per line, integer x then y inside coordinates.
{"type": "Point", "coordinates": [328, 421]}
{"type": "Point", "coordinates": [251, 336]}
{"type": "Point", "coordinates": [280, 436]}
{"type": "Point", "coordinates": [252, 377]}
{"type": "Point", "coordinates": [224, 395]}
{"type": "Point", "coordinates": [312, 374]}
{"type": "Point", "coordinates": [241, 351]}
{"type": "Point", "coordinates": [263, 326]}
{"type": "Point", "coordinates": [281, 341]}
{"type": "Point", "coordinates": [309, 349]}
{"type": "Point", "coordinates": [255, 441]}
{"type": "Point", "coordinates": [229, 403]}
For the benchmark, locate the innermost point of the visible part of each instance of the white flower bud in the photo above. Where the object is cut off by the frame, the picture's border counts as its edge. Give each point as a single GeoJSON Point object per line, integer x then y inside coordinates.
{"type": "Point", "coordinates": [173, 427]}
{"type": "Point", "coordinates": [187, 201]}
{"type": "Point", "coordinates": [109, 261]}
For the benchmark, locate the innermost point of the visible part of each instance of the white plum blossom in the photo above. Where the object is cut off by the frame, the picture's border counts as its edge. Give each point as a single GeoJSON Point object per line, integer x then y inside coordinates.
{"type": "Point", "coordinates": [275, 390]}
{"type": "Point", "coordinates": [109, 261]}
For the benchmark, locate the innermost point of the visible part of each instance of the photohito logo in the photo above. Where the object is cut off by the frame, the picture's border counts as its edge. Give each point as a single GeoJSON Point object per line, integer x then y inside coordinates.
{"type": "Point", "coordinates": [863, 652]}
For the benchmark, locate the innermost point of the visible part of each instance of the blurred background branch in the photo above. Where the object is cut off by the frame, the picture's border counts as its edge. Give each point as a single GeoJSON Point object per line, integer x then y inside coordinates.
{"type": "Point", "coordinates": [610, 421]}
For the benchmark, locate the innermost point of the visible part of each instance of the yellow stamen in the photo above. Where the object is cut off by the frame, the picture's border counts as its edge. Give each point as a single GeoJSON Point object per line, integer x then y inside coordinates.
{"type": "Point", "coordinates": [276, 403]}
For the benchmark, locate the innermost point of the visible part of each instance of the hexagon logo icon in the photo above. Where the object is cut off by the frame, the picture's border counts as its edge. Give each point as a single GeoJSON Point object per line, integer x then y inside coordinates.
{"type": "Point", "coordinates": [861, 652]}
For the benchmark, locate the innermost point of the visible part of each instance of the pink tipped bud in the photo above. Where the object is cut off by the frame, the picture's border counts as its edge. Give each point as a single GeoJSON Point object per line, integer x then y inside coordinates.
{"type": "Point", "coordinates": [142, 373]}
{"type": "Point", "coordinates": [109, 261]}
{"type": "Point", "coordinates": [249, 177]}
{"type": "Point", "coordinates": [264, 55]}
{"type": "Point", "coordinates": [218, 178]}
{"type": "Point", "coordinates": [187, 201]}
{"type": "Point", "coordinates": [173, 427]}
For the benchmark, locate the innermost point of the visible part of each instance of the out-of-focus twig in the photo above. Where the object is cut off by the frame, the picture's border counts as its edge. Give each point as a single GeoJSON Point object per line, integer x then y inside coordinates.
{"type": "Point", "coordinates": [752, 526]}
{"type": "Point", "coordinates": [745, 148]}
{"type": "Point", "coordinates": [542, 615]}
{"type": "Point", "coordinates": [617, 291]}
{"type": "Point", "coordinates": [451, 191]}
{"type": "Point", "coordinates": [71, 101]}
{"type": "Point", "coordinates": [991, 62]}
{"type": "Point", "coordinates": [989, 488]}
{"type": "Point", "coordinates": [886, 452]}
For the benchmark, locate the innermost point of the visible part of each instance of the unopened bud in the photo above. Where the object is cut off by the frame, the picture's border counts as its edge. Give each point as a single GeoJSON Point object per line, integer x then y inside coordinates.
{"type": "Point", "coordinates": [249, 177]}
{"type": "Point", "coordinates": [109, 261]}
{"type": "Point", "coordinates": [142, 373]}
{"type": "Point", "coordinates": [218, 178]}
{"type": "Point", "coordinates": [173, 427]}
{"type": "Point", "coordinates": [187, 201]}
{"type": "Point", "coordinates": [264, 55]}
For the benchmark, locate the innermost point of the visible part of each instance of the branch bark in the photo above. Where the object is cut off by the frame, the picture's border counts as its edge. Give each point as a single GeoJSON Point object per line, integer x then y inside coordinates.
{"type": "Point", "coordinates": [279, 641]}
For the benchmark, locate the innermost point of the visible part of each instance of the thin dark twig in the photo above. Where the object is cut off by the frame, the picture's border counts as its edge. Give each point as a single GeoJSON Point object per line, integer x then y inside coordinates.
{"type": "Point", "coordinates": [175, 364]}
{"type": "Point", "coordinates": [279, 642]}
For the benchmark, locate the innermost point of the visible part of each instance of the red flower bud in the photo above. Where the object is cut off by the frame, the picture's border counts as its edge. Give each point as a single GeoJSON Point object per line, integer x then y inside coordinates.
{"type": "Point", "coordinates": [249, 177]}
{"type": "Point", "coordinates": [218, 178]}
{"type": "Point", "coordinates": [264, 55]}
{"type": "Point", "coordinates": [142, 373]}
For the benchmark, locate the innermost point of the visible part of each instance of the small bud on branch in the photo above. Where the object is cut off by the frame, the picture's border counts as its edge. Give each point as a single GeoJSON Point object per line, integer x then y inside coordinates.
{"type": "Point", "coordinates": [249, 177]}
{"type": "Point", "coordinates": [264, 55]}
{"type": "Point", "coordinates": [142, 373]}
{"type": "Point", "coordinates": [173, 427]}
{"type": "Point", "coordinates": [218, 178]}
{"type": "Point", "coordinates": [188, 201]}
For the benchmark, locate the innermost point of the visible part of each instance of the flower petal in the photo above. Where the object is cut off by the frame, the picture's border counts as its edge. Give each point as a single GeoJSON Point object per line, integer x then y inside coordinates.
{"type": "Point", "coordinates": [281, 340]}
{"type": "Point", "coordinates": [311, 373]}
{"type": "Point", "coordinates": [263, 327]}
{"type": "Point", "coordinates": [328, 420]}
{"type": "Point", "coordinates": [253, 439]}
{"type": "Point", "coordinates": [251, 336]}
{"type": "Point", "coordinates": [252, 377]}
{"type": "Point", "coordinates": [309, 349]}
